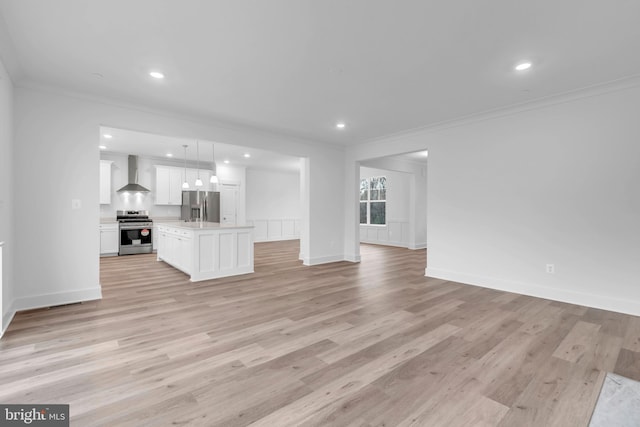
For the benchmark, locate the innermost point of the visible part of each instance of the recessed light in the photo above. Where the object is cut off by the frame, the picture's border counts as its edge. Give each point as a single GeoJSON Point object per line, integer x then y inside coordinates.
{"type": "Point", "coordinates": [341, 125]}
{"type": "Point", "coordinates": [247, 155]}
{"type": "Point", "coordinates": [102, 147]}
{"type": "Point", "coordinates": [226, 162]}
{"type": "Point", "coordinates": [169, 155]}
{"type": "Point", "coordinates": [156, 75]}
{"type": "Point", "coordinates": [525, 65]}
{"type": "Point", "coordinates": [108, 136]}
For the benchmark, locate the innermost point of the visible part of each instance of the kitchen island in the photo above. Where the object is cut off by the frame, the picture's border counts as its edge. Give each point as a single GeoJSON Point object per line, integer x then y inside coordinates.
{"type": "Point", "coordinates": [206, 250]}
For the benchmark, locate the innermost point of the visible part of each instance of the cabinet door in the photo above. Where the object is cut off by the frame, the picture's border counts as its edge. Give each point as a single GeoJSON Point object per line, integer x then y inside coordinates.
{"type": "Point", "coordinates": [184, 254]}
{"type": "Point", "coordinates": [161, 237]}
{"type": "Point", "coordinates": [105, 182]}
{"type": "Point", "coordinates": [163, 186]}
{"type": "Point", "coordinates": [175, 187]}
{"type": "Point", "coordinates": [108, 241]}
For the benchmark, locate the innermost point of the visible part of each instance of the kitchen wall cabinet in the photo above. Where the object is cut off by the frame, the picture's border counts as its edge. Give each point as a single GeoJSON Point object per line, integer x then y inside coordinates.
{"type": "Point", "coordinates": [169, 181]}
{"type": "Point", "coordinates": [109, 239]}
{"type": "Point", "coordinates": [169, 185]}
{"type": "Point", "coordinates": [105, 182]}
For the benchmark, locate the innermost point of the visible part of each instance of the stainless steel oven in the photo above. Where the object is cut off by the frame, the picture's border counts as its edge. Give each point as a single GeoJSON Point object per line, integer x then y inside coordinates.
{"type": "Point", "coordinates": [135, 234]}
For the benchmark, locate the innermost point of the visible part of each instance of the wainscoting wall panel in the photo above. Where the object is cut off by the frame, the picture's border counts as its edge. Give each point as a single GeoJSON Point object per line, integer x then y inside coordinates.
{"type": "Point", "coordinates": [274, 229]}
{"type": "Point", "coordinates": [395, 233]}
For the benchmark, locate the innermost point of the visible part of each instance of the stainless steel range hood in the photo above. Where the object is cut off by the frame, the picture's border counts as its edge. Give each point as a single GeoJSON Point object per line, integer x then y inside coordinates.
{"type": "Point", "coordinates": [133, 185]}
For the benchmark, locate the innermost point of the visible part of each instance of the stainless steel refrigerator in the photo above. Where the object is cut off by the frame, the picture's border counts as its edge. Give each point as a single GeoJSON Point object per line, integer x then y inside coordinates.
{"type": "Point", "coordinates": [200, 206]}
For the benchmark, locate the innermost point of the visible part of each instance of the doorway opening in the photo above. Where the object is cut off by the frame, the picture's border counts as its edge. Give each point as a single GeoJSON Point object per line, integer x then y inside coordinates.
{"type": "Point", "coordinates": [393, 202]}
{"type": "Point", "coordinates": [256, 187]}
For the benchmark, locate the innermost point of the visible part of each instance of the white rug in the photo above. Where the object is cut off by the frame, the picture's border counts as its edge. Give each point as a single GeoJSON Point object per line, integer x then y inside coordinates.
{"type": "Point", "coordinates": [618, 404]}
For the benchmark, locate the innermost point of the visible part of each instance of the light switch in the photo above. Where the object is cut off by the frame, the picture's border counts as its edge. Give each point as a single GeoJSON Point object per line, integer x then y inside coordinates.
{"type": "Point", "coordinates": [76, 204]}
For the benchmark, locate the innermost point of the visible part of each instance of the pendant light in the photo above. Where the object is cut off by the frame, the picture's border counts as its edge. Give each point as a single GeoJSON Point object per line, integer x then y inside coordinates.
{"type": "Point", "coordinates": [185, 184]}
{"type": "Point", "coordinates": [198, 180]}
{"type": "Point", "coordinates": [214, 175]}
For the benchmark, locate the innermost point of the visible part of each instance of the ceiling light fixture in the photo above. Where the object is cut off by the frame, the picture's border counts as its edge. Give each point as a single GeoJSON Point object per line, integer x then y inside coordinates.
{"type": "Point", "coordinates": [525, 65]}
{"type": "Point", "coordinates": [198, 180]}
{"type": "Point", "coordinates": [214, 175]}
{"type": "Point", "coordinates": [108, 136]}
{"type": "Point", "coordinates": [169, 155]}
{"type": "Point", "coordinates": [185, 184]}
{"type": "Point", "coordinates": [102, 147]}
{"type": "Point", "coordinates": [156, 75]}
{"type": "Point", "coordinates": [226, 162]}
{"type": "Point", "coordinates": [247, 155]}
{"type": "Point", "coordinates": [341, 125]}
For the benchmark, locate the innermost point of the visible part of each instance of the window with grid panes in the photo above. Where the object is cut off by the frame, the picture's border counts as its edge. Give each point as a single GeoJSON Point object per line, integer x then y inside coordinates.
{"type": "Point", "coordinates": [373, 200]}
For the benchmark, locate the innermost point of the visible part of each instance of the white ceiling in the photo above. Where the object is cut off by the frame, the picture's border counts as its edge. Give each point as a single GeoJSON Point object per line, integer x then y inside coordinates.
{"type": "Point", "coordinates": [299, 66]}
{"type": "Point", "coordinates": [144, 144]}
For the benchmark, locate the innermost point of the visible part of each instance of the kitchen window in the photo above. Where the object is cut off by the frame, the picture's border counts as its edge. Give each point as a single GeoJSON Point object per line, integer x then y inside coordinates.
{"type": "Point", "coordinates": [373, 201]}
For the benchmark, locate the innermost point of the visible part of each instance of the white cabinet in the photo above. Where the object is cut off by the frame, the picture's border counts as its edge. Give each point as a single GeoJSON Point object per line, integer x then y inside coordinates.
{"type": "Point", "coordinates": [108, 239]}
{"type": "Point", "coordinates": [168, 185]}
{"type": "Point", "coordinates": [206, 251]}
{"type": "Point", "coordinates": [105, 182]}
{"type": "Point", "coordinates": [175, 247]}
{"type": "Point", "coordinates": [169, 181]}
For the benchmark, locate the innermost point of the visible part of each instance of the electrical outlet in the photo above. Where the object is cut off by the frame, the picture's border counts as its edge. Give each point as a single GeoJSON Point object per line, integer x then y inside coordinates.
{"type": "Point", "coordinates": [551, 268]}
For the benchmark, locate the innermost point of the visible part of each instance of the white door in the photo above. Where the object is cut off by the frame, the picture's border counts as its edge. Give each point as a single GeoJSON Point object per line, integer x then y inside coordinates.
{"type": "Point", "coordinates": [228, 203]}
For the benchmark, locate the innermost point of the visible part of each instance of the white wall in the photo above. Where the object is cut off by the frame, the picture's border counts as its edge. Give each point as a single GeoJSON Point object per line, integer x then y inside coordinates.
{"type": "Point", "coordinates": [273, 204]}
{"type": "Point", "coordinates": [557, 182]}
{"type": "Point", "coordinates": [147, 178]}
{"type": "Point", "coordinates": [6, 197]}
{"type": "Point", "coordinates": [56, 158]}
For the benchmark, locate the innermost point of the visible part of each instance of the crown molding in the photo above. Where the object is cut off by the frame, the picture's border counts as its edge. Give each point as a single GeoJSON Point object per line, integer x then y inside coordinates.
{"type": "Point", "coordinates": [28, 84]}
{"type": "Point", "coordinates": [539, 103]}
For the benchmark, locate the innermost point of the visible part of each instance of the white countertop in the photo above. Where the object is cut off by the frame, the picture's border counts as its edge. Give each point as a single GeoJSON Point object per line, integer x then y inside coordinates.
{"type": "Point", "coordinates": [200, 225]}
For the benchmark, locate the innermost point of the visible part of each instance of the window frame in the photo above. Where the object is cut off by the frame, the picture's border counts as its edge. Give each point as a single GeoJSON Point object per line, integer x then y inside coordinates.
{"type": "Point", "coordinates": [368, 200]}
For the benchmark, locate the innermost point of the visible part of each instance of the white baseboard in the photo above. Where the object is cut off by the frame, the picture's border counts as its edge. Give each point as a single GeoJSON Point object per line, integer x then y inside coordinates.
{"type": "Point", "coordinates": [277, 239]}
{"type": "Point", "coordinates": [323, 260]}
{"type": "Point", "coordinates": [7, 318]}
{"type": "Point", "coordinates": [603, 302]}
{"type": "Point", "coordinates": [352, 258]}
{"type": "Point", "coordinates": [59, 298]}
{"type": "Point", "coordinates": [394, 244]}
{"type": "Point", "coordinates": [418, 246]}
{"type": "Point", "coordinates": [384, 243]}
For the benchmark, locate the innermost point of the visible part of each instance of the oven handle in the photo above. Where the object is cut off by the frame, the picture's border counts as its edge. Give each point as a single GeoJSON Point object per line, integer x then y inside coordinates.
{"type": "Point", "coordinates": [135, 227]}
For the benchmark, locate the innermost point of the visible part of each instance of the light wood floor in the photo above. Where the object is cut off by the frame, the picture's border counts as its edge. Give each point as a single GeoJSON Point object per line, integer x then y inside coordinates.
{"type": "Point", "coordinates": [369, 344]}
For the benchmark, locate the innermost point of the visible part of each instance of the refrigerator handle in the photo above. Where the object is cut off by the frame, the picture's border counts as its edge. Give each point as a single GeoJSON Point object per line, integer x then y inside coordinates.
{"type": "Point", "coordinates": [204, 209]}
